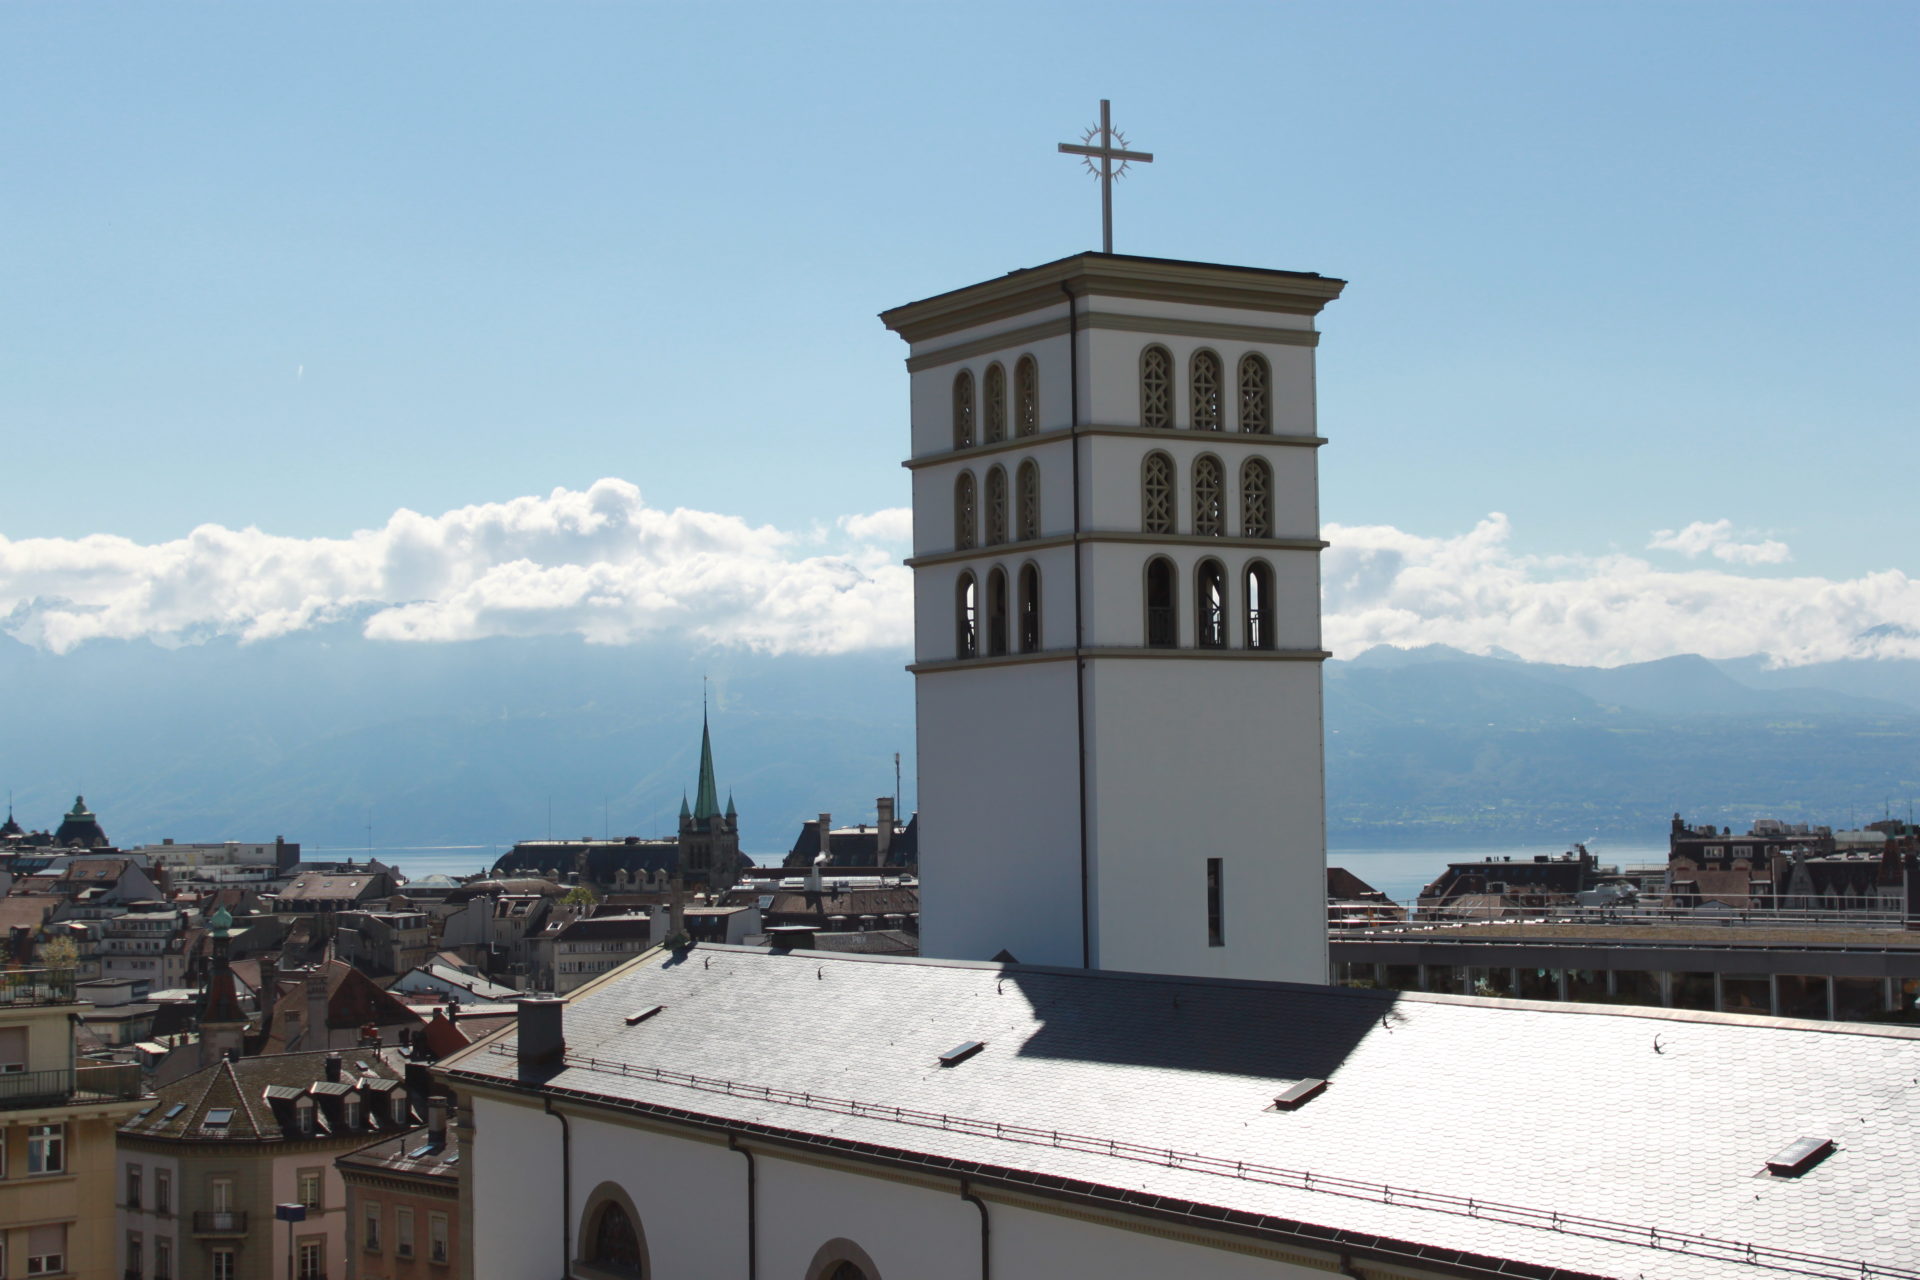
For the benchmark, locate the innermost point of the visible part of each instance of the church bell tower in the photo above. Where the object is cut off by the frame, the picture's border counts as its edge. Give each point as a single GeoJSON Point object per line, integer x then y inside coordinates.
{"type": "Point", "coordinates": [1116, 541]}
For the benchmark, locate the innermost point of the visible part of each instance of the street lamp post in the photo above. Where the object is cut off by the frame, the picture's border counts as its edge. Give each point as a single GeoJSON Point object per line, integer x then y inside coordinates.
{"type": "Point", "coordinates": [290, 1214]}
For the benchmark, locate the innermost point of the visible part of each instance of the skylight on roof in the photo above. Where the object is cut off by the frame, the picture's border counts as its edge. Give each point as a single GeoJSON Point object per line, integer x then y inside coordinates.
{"type": "Point", "coordinates": [641, 1015]}
{"type": "Point", "coordinates": [173, 1111]}
{"type": "Point", "coordinates": [1799, 1157]}
{"type": "Point", "coordinates": [1298, 1095]}
{"type": "Point", "coordinates": [961, 1052]}
{"type": "Point", "coordinates": [217, 1119]}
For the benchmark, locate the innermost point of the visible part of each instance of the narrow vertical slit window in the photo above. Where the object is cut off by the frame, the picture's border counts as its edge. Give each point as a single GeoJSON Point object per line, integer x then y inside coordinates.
{"type": "Point", "coordinates": [1156, 493]}
{"type": "Point", "coordinates": [963, 409]}
{"type": "Point", "coordinates": [1162, 625]}
{"type": "Point", "coordinates": [1029, 609]}
{"type": "Point", "coordinates": [966, 520]}
{"type": "Point", "coordinates": [1026, 397]}
{"type": "Point", "coordinates": [996, 403]}
{"type": "Point", "coordinates": [997, 613]}
{"type": "Point", "coordinates": [1156, 387]}
{"type": "Point", "coordinates": [1027, 496]}
{"type": "Point", "coordinates": [1256, 404]}
{"type": "Point", "coordinates": [1259, 604]}
{"type": "Point", "coordinates": [1216, 903]}
{"type": "Point", "coordinates": [966, 612]}
{"type": "Point", "coordinates": [1209, 516]}
{"type": "Point", "coordinates": [996, 506]}
{"type": "Point", "coordinates": [1256, 499]}
{"type": "Point", "coordinates": [1203, 378]}
{"type": "Point", "coordinates": [1210, 603]}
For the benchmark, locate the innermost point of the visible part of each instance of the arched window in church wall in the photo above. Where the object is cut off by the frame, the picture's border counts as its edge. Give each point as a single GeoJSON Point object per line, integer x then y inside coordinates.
{"type": "Point", "coordinates": [1156, 387]}
{"type": "Point", "coordinates": [966, 519]}
{"type": "Point", "coordinates": [963, 409]}
{"type": "Point", "coordinates": [1162, 624]}
{"type": "Point", "coordinates": [841, 1259]}
{"type": "Point", "coordinates": [996, 506]}
{"type": "Point", "coordinates": [1026, 488]}
{"type": "Point", "coordinates": [996, 402]}
{"type": "Point", "coordinates": [997, 613]}
{"type": "Point", "coordinates": [1210, 604]}
{"type": "Point", "coordinates": [611, 1239]}
{"type": "Point", "coordinates": [1156, 493]}
{"type": "Point", "coordinates": [1258, 592]}
{"type": "Point", "coordinates": [1256, 499]}
{"type": "Point", "coordinates": [1256, 402]}
{"type": "Point", "coordinates": [1203, 378]}
{"type": "Point", "coordinates": [1209, 515]}
{"type": "Point", "coordinates": [966, 613]}
{"type": "Point", "coordinates": [1026, 397]}
{"type": "Point", "coordinates": [1029, 608]}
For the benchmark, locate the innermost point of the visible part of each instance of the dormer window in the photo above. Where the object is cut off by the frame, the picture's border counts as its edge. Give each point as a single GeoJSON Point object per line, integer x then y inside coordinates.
{"type": "Point", "coordinates": [303, 1117]}
{"type": "Point", "coordinates": [399, 1099]}
{"type": "Point", "coordinates": [353, 1111]}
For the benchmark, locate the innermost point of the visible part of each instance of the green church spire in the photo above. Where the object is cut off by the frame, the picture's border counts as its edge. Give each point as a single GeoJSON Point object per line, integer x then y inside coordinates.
{"type": "Point", "coordinates": [706, 798]}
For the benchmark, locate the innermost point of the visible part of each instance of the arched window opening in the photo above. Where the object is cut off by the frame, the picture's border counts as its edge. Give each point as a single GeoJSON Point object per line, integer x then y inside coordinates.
{"type": "Point", "coordinates": [965, 519]}
{"type": "Point", "coordinates": [612, 1241]}
{"type": "Point", "coordinates": [847, 1271]}
{"type": "Point", "coordinates": [1156, 493]}
{"type": "Point", "coordinates": [963, 409]}
{"type": "Point", "coordinates": [1029, 609]}
{"type": "Point", "coordinates": [1210, 600]}
{"type": "Point", "coordinates": [1256, 407]}
{"type": "Point", "coordinates": [996, 506]}
{"type": "Point", "coordinates": [967, 618]}
{"type": "Point", "coordinates": [1026, 397]}
{"type": "Point", "coordinates": [1256, 499]}
{"type": "Point", "coordinates": [1209, 520]}
{"type": "Point", "coordinates": [997, 613]}
{"type": "Point", "coordinates": [1162, 630]}
{"type": "Point", "coordinates": [1204, 378]}
{"type": "Point", "coordinates": [1156, 387]}
{"type": "Point", "coordinates": [842, 1259]}
{"type": "Point", "coordinates": [996, 403]}
{"type": "Point", "coordinates": [1026, 487]}
{"type": "Point", "coordinates": [1259, 603]}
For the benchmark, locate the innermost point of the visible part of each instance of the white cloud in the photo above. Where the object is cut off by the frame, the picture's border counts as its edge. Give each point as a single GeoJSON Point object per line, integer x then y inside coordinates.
{"type": "Point", "coordinates": [1473, 591]}
{"type": "Point", "coordinates": [1716, 538]}
{"type": "Point", "coordinates": [602, 564]}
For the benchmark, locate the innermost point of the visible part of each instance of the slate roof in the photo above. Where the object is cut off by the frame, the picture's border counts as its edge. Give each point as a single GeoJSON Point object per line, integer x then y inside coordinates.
{"type": "Point", "coordinates": [1452, 1128]}
{"type": "Point", "coordinates": [411, 1154]}
{"type": "Point", "coordinates": [259, 1091]}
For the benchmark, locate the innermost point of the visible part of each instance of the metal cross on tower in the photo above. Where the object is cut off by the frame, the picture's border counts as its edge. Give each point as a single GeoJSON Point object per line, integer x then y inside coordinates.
{"type": "Point", "coordinates": [1106, 153]}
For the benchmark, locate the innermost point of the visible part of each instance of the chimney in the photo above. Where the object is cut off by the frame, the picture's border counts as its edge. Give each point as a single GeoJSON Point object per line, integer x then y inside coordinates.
{"type": "Point", "coordinates": [333, 1068]}
{"type": "Point", "coordinates": [542, 1031]}
{"type": "Point", "coordinates": [884, 841]}
{"type": "Point", "coordinates": [826, 837]}
{"type": "Point", "coordinates": [436, 1121]}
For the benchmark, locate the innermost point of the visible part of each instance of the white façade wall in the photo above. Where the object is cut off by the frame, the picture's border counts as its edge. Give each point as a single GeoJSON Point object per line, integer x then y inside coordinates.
{"type": "Point", "coordinates": [515, 1170]}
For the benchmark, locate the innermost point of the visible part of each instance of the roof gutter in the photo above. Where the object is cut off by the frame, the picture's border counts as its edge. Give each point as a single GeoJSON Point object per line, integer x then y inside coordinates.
{"type": "Point", "coordinates": [986, 1231]}
{"type": "Point", "coordinates": [566, 1187]}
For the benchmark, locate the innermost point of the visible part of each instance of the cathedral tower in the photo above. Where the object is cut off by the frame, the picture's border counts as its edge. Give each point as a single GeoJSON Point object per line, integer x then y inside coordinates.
{"type": "Point", "coordinates": [1117, 618]}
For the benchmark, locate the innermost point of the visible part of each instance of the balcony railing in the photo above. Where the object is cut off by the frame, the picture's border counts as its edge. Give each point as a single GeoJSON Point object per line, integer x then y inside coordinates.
{"type": "Point", "coordinates": [36, 986]}
{"type": "Point", "coordinates": [103, 1083]}
{"type": "Point", "coordinates": [219, 1222]}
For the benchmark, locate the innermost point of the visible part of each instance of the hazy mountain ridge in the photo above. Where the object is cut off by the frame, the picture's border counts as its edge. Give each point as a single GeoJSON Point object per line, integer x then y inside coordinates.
{"type": "Point", "coordinates": [463, 744]}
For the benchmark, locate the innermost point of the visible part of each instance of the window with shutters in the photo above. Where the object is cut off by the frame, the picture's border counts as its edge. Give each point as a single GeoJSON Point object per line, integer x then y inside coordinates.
{"type": "Point", "coordinates": [963, 409]}
{"type": "Point", "coordinates": [1209, 519]}
{"type": "Point", "coordinates": [996, 403]}
{"type": "Point", "coordinates": [1210, 603]}
{"type": "Point", "coordinates": [1256, 406]}
{"type": "Point", "coordinates": [402, 1231]}
{"type": "Point", "coordinates": [1156, 493]}
{"type": "Point", "coordinates": [1162, 627]}
{"type": "Point", "coordinates": [996, 506]}
{"type": "Point", "coordinates": [997, 612]}
{"type": "Point", "coordinates": [1026, 487]}
{"type": "Point", "coordinates": [1256, 499]}
{"type": "Point", "coordinates": [1203, 378]}
{"type": "Point", "coordinates": [1156, 387]}
{"type": "Point", "coordinates": [1026, 397]}
{"type": "Point", "coordinates": [966, 520]}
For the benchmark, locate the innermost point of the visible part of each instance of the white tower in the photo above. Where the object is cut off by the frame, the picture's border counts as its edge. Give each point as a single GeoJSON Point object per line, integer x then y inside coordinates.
{"type": "Point", "coordinates": [1116, 541]}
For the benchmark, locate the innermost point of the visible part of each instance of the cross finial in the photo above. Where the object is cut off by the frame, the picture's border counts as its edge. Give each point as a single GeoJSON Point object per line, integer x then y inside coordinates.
{"type": "Point", "coordinates": [1106, 153]}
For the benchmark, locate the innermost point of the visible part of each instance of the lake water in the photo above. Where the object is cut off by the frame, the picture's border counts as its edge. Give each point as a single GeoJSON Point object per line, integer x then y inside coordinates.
{"type": "Point", "coordinates": [1399, 873]}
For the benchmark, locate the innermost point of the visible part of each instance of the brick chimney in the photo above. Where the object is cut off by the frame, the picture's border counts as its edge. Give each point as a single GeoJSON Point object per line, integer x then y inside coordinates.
{"type": "Point", "coordinates": [884, 840]}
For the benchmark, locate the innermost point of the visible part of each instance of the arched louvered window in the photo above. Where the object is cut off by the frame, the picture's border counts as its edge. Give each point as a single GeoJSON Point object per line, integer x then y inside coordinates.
{"type": "Point", "coordinates": [611, 1240]}
{"type": "Point", "coordinates": [996, 402]}
{"type": "Point", "coordinates": [1256, 403]}
{"type": "Point", "coordinates": [1029, 609]}
{"type": "Point", "coordinates": [997, 612]}
{"type": "Point", "coordinates": [963, 409]}
{"type": "Point", "coordinates": [1156, 493]}
{"type": "Point", "coordinates": [1259, 605]}
{"type": "Point", "coordinates": [966, 612]}
{"type": "Point", "coordinates": [1204, 380]}
{"type": "Point", "coordinates": [1026, 489]}
{"type": "Point", "coordinates": [1156, 387]}
{"type": "Point", "coordinates": [1162, 624]}
{"type": "Point", "coordinates": [996, 506]}
{"type": "Point", "coordinates": [1026, 397]}
{"type": "Point", "coordinates": [1209, 518]}
{"type": "Point", "coordinates": [1256, 499]}
{"type": "Point", "coordinates": [966, 515]}
{"type": "Point", "coordinates": [1210, 605]}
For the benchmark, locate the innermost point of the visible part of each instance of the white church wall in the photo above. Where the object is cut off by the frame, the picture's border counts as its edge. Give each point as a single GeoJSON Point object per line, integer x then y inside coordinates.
{"type": "Point", "coordinates": [515, 1167]}
{"type": "Point", "coordinates": [1033, 1243]}
{"type": "Point", "coordinates": [691, 1194]}
{"type": "Point", "coordinates": [909, 1229]}
{"type": "Point", "coordinates": [931, 388]}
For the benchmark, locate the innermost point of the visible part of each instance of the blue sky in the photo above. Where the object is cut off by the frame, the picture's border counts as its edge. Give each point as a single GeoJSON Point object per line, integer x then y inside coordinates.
{"type": "Point", "coordinates": [1616, 269]}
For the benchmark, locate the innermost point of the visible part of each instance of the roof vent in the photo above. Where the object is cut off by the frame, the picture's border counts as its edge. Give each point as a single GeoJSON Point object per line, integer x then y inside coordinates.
{"type": "Point", "coordinates": [961, 1052]}
{"type": "Point", "coordinates": [1801, 1156]}
{"type": "Point", "coordinates": [1298, 1095]}
{"type": "Point", "coordinates": [641, 1015]}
